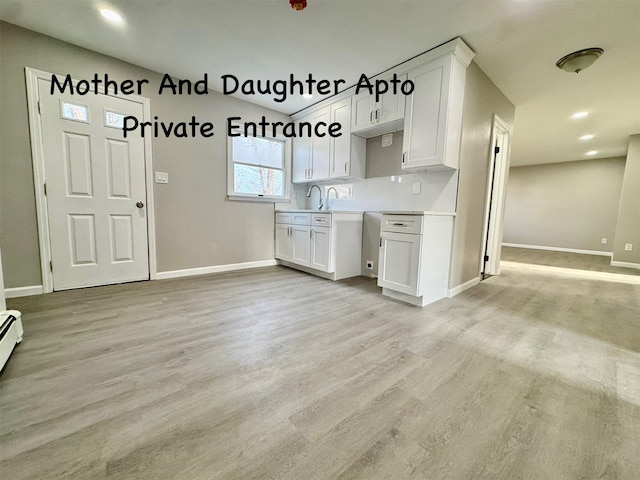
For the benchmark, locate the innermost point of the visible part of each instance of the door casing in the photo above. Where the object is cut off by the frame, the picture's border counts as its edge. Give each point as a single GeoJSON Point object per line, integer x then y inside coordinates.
{"type": "Point", "coordinates": [495, 198]}
{"type": "Point", "coordinates": [37, 155]}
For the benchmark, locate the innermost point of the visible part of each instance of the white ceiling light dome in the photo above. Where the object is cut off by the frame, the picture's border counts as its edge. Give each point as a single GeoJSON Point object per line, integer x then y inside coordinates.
{"type": "Point", "coordinates": [577, 61]}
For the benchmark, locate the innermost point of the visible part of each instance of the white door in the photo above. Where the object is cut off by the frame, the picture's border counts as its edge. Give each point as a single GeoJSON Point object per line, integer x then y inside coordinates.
{"type": "Point", "coordinates": [399, 262]}
{"type": "Point", "coordinates": [95, 190]}
{"type": "Point", "coordinates": [284, 242]}
{"type": "Point", "coordinates": [496, 196]}
{"type": "Point", "coordinates": [321, 249]}
{"type": "Point", "coordinates": [301, 244]}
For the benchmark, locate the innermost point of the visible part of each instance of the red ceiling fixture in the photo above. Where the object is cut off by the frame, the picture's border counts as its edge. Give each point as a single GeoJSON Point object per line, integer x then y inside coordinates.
{"type": "Point", "coordinates": [298, 4]}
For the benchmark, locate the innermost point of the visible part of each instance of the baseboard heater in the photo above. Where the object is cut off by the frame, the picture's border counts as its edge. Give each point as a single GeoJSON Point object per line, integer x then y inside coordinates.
{"type": "Point", "coordinates": [10, 334]}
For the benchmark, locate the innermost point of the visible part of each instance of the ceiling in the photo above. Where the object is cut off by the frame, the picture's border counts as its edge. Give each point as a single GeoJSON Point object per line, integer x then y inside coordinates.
{"type": "Point", "coordinates": [517, 43]}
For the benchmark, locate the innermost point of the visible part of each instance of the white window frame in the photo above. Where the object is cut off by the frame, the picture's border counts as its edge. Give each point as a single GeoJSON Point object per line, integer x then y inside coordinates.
{"type": "Point", "coordinates": [232, 195]}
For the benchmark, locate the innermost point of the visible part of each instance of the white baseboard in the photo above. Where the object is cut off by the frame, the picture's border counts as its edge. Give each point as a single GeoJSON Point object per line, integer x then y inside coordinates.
{"type": "Point", "coordinates": [571, 273]}
{"type": "Point", "coordinates": [188, 272]}
{"type": "Point", "coordinates": [559, 249]}
{"type": "Point", "coordinates": [23, 291]}
{"type": "Point", "coordinates": [452, 292]}
{"type": "Point", "coordinates": [624, 264]}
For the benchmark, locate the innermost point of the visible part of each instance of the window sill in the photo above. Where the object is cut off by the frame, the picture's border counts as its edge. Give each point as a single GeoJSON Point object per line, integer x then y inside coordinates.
{"type": "Point", "coordinates": [256, 198]}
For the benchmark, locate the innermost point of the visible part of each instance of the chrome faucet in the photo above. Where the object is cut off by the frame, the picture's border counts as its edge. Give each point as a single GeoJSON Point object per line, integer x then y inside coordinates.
{"type": "Point", "coordinates": [320, 195]}
{"type": "Point", "coordinates": [329, 193]}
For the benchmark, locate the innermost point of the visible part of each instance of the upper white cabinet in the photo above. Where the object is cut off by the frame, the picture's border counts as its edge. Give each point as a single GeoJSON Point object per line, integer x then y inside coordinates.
{"type": "Point", "coordinates": [348, 152]}
{"type": "Point", "coordinates": [324, 158]}
{"type": "Point", "coordinates": [311, 155]}
{"type": "Point", "coordinates": [433, 116]}
{"type": "Point", "coordinates": [370, 118]}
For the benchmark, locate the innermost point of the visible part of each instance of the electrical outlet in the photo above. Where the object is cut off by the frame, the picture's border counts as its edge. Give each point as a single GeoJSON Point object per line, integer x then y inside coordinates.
{"type": "Point", "coordinates": [416, 187]}
{"type": "Point", "coordinates": [162, 177]}
{"type": "Point", "coordinates": [628, 247]}
{"type": "Point", "coordinates": [604, 240]}
{"type": "Point", "coordinates": [387, 140]}
{"type": "Point", "coordinates": [369, 264]}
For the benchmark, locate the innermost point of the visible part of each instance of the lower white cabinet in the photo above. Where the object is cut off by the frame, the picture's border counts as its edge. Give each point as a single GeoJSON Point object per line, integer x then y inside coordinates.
{"type": "Point", "coordinates": [414, 256]}
{"type": "Point", "coordinates": [328, 244]}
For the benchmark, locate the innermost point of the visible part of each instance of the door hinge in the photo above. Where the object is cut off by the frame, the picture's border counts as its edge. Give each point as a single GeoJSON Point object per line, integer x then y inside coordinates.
{"type": "Point", "coordinates": [486, 258]}
{"type": "Point", "coordinates": [51, 265]}
{"type": "Point", "coordinates": [380, 241]}
{"type": "Point", "coordinates": [45, 189]}
{"type": "Point", "coordinates": [496, 150]}
{"type": "Point", "coordinates": [39, 110]}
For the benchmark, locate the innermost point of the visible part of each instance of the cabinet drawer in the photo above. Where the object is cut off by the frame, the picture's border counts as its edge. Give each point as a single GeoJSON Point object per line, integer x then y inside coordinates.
{"type": "Point", "coordinates": [321, 219]}
{"type": "Point", "coordinates": [402, 223]}
{"type": "Point", "coordinates": [283, 217]}
{"type": "Point", "coordinates": [301, 218]}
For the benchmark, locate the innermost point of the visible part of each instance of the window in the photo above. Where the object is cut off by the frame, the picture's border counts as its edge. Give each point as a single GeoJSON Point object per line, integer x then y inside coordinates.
{"type": "Point", "coordinates": [258, 168]}
{"type": "Point", "coordinates": [72, 111]}
{"type": "Point", "coordinates": [113, 119]}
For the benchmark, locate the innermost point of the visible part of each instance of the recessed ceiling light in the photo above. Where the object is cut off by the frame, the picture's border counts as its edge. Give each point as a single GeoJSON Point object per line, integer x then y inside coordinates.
{"type": "Point", "coordinates": [579, 114]}
{"type": "Point", "coordinates": [111, 15]}
{"type": "Point", "coordinates": [586, 137]}
{"type": "Point", "coordinates": [307, 95]}
{"type": "Point", "coordinates": [591, 153]}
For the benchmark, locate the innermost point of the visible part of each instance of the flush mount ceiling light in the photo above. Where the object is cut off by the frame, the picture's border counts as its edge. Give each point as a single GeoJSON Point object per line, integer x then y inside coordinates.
{"type": "Point", "coordinates": [111, 15]}
{"type": "Point", "coordinates": [577, 61]}
{"type": "Point", "coordinates": [579, 115]}
{"type": "Point", "coordinates": [586, 137]}
{"type": "Point", "coordinates": [591, 153]}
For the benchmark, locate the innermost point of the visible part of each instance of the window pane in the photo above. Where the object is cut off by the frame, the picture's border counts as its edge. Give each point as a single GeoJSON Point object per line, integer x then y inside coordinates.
{"type": "Point", "coordinates": [113, 119]}
{"type": "Point", "coordinates": [258, 151]}
{"type": "Point", "coordinates": [258, 181]}
{"type": "Point", "coordinates": [75, 112]}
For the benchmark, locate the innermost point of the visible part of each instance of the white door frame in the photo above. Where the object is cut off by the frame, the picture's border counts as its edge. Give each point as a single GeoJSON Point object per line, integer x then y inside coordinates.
{"type": "Point", "coordinates": [37, 155]}
{"type": "Point", "coordinates": [495, 198]}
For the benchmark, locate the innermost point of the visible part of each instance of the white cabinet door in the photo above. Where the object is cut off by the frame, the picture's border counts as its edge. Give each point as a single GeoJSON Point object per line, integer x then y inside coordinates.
{"type": "Point", "coordinates": [321, 249]}
{"type": "Point", "coordinates": [399, 262]}
{"type": "Point", "coordinates": [301, 244]}
{"type": "Point", "coordinates": [391, 107]}
{"type": "Point", "coordinates": [301, 169]}
{"type": "Point", "coordinates": [284, 242]}
{"type": "Point", "coordinates": [341, 146]}
{"type": "Point", "coordinates": [371, 117]}
{"type": "Point", "coordinates": [321, 147]}
{"type": "Point", "coordinates": [362, 106]}
{"type": "Point", "coordinates": [426, 114]}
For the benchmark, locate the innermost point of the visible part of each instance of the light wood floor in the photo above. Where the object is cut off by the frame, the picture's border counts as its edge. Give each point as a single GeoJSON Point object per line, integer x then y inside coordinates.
{"type": "Point", "coordinates": [578, 261]}
{"type": "Point", "coordinates": [272, 373]}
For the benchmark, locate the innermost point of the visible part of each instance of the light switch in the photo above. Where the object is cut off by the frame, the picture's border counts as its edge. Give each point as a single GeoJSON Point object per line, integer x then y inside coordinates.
{"type": "Point", "coordinates": [604, 240]}
{"type": "Point", "coordinates": [416, 187]}
{"type": "Point", "coordinates": [162, 177]}
{"type": "Point", "coordinates": [628, 247]}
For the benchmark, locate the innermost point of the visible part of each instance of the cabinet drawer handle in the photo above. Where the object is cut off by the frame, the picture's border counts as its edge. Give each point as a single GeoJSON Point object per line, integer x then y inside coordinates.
{"type": "Point", "coordinates": [397, 224]}
{"type": "Point", "coordinates": [404, 154]}
{"type": "Point", "coordinates": [371, 116]}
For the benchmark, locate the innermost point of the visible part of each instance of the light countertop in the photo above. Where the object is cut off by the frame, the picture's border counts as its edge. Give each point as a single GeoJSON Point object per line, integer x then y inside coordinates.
{"type": "Point", "coordinates": [418, 212]}
{"type": "Point", "coordinates": [299, 210]}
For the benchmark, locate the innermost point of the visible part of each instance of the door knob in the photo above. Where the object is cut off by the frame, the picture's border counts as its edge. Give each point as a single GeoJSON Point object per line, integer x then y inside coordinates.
{"type": "Point", "coordinates": [139, 204]}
